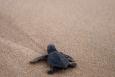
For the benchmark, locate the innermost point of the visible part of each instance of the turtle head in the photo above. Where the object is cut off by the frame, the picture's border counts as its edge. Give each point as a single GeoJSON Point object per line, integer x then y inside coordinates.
{"type": "Point", "coordinates": [51, 48]}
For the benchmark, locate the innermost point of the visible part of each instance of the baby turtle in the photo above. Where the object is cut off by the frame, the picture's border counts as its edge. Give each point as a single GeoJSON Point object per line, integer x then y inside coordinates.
{"type": "Point", "coordinates": [56, 60]}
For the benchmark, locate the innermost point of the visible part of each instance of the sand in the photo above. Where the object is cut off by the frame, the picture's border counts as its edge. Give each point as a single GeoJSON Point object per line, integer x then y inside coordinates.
{"type": "Point", "coordinates": [83, 29]}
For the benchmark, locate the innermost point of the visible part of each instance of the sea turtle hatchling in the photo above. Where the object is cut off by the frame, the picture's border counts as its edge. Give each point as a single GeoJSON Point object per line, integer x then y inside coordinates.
{"type": "Point", "coordinates": [56, 60]}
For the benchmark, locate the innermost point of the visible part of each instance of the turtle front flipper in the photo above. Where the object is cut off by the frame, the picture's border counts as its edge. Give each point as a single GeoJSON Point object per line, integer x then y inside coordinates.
{"type": "Point", "coordinates": [50, 71]}
{"type": "Point", "coordinates": [53, 70]}
{"type": "Point", "coordinates": [41, 58]}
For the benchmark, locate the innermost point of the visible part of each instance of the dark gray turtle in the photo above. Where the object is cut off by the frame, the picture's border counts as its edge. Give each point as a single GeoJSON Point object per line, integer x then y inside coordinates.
{"type": "Point", "coordinates": [56, 60]}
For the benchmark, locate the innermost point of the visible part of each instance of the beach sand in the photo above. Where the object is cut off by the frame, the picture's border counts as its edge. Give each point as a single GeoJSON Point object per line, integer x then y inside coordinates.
{"type": "Point", "coordinates": [83, 29]}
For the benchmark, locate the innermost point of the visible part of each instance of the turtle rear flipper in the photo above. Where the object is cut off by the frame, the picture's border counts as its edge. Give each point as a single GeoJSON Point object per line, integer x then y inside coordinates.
{"type": "Point", "coordinates": [72, 65]}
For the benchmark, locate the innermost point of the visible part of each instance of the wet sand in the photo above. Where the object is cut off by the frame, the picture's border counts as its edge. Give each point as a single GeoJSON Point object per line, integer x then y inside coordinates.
{"type": "Point", "coordinates": [83, 29]}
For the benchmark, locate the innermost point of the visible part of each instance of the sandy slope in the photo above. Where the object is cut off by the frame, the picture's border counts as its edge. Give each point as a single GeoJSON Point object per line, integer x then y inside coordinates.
{"type": "Point", "coordinates": [84, 29]}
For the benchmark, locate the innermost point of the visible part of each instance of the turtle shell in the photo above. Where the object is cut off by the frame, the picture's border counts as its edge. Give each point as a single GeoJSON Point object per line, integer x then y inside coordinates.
{"type": "Point", "coordinates": [56, 59]}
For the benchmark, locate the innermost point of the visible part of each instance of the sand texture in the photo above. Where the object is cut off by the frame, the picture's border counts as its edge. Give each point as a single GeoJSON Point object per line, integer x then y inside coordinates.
{"type": "Point", "coordinates": [83, 29]}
